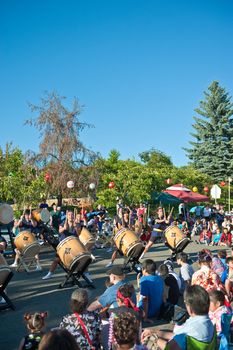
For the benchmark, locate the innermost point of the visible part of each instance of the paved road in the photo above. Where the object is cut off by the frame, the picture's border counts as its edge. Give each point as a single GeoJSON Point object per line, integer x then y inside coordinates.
{"type": "Point", "coordinates": [30, 293]}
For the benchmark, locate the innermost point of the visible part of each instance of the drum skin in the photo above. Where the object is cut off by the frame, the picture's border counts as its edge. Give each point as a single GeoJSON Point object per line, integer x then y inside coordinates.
{"type": "Point", "coordinates": [6, 213]}
{"type": "Point", "coordinates": [70, 250]}
{"type": "Point", "coordinates": [41, 215]}
{"type": "Point", "coordinates": [126, 240]}
{"type": "Point", "coordinates": [87, 239]}
{"type": "Point", "coordinates": [173, 236]}
{"type": "Point", "coordinates": [23, 240]}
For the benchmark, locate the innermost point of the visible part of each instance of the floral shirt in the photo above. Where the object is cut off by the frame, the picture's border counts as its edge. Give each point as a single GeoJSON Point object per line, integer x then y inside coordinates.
{"type": "Point", "coordinates": [92, 323]}
{"type": "Point", "coordinates": [216, 317]}
{"type": "Point", "coordinates": [207, 279]}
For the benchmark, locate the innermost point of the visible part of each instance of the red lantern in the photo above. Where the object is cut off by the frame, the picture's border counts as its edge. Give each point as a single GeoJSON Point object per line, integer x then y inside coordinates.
{"type": "Point", "coordinates": [222, 183]}
{"type": "Point", "coordinates": [206, 189]}
{"type": "Point", "coordinates": [47, 177]}
{"type": "Point", "coordinates": [111, 184]}
{"type": "Point", "coordinates": [168, 181]}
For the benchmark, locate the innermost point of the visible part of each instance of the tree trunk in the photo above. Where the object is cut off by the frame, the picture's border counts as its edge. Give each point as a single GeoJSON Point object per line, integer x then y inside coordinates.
{"type": "Point", "coordinates": [59, 200]}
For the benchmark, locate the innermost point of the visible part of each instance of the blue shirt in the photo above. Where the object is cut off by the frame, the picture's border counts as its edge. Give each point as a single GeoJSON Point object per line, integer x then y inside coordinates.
{"type": "Point", "coordinates": [152, 287]}
{"type": "Point", "coordinates": [199, 327]}
{"type": "Point", "coordinates": [109, 296]}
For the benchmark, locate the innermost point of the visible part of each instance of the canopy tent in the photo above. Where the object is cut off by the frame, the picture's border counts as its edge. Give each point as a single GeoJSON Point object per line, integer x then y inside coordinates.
{"type": "Point", "coordinates": [165, 198]}
{"type": "Point", "coordinates": [185, 194]}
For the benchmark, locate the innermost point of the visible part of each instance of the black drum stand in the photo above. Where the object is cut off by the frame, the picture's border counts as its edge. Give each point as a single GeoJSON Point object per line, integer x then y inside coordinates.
{"type": "Point", "coordinates": [132, 262]}
{"type": "Point", "coordinates": [78, 269]}
{"type": "Point", "coordinates": [73, 277]}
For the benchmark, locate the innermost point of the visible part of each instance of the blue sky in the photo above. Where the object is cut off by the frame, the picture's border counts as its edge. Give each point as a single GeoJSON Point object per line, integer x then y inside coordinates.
{"type": "Point", "coordinates": [139, 67]}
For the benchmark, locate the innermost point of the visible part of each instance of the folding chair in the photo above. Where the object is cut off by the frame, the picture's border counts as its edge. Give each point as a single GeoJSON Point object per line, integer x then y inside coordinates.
{"type": "Point", "coordinates": [5, 276]}
{"type": "Point", "coordinates": [27, 257]}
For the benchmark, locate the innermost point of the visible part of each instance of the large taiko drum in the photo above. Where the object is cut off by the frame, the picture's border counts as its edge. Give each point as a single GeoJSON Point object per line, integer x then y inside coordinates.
{"type": "Point", "coordinates": [6, 213]}
{"type": "Point", "coordinates": [73, 254]}
{"type": "Point", "coordinates": [128, 243]}
{"type": "Point", "coordinates": [24, 239]}
{"type": "Point", "coordinates": [175, 240]}
{"type": "Point", "coordinates": [41, 215]}
{"type": "Point", "coordinates": [87, 239]}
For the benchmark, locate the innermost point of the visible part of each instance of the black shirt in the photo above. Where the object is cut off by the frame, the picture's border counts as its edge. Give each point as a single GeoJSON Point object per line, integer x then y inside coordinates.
{"type": "Point", "coordinates": [173, 292]}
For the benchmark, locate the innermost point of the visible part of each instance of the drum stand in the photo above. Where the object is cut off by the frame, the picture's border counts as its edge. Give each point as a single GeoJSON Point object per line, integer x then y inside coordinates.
{"type": "Point", "coordinates": [132, 263]}
{"type": "Point", "coordinates": [73, 277]}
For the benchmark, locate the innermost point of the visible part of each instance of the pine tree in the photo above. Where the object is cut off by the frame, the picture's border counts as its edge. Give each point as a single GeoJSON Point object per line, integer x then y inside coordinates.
{"type": "Point", "coordinates": [212, 150]}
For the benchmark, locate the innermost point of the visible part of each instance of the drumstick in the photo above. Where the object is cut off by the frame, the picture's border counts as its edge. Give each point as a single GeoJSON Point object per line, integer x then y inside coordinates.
{"type": "Point", "coordinates": [170, 214]}
{"type": "Point", "coordinates": [164, 214]}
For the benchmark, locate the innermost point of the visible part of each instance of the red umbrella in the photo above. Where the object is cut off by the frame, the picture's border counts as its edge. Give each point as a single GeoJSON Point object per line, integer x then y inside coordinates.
{"type": "Point", "coordinates": [184, 193]}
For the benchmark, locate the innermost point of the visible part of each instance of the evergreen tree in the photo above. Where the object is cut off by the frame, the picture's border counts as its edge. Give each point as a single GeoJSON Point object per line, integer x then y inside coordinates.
{"type": "Point", "coordinates": [212, 150]}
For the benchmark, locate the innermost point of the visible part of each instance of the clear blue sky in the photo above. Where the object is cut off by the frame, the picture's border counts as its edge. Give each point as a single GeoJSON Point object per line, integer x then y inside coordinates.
{"type": "Point", "coordinates": [139, 66]}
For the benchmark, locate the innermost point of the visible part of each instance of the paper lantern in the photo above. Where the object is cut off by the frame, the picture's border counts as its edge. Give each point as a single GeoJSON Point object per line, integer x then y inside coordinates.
{"type": "Point", "coordinates": [206, 189]}
{"type": "Point", "coordinates": [47, 177]}
{"type": "Point", "coordinates": [168, 181]}
{"type": "Point", "coordinates": [222, 183]}
{"type": "Point", "coordinates": [92, 186]}
{"type": "Point", "coordinates": [195, 189]}
{"type": "Point", "coordinates": [111, 184]}
{"type": "Point", "coordinates": [70, 184]}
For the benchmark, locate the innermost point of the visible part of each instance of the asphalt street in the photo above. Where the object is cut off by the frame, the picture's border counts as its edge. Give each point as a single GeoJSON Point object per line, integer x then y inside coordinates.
{"type": "Point", "coordinates": [30, 293]}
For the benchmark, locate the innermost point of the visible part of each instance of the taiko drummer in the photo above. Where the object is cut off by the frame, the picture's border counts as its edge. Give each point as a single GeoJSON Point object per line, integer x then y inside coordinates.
{"type": "Point", "coordinates": [25, 223]}
{"type": "Point", "coordinates": [66, 229]}
{"type": "Point", "coordinates": [160, 224]}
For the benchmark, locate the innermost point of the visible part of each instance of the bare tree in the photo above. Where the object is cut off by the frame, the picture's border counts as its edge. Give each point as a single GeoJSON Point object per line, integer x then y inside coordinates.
{"type": "Point", "coordinates": [61, 151]}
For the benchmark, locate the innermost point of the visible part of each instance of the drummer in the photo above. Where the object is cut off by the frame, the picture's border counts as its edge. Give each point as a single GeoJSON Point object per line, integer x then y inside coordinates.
{"type": "Point", "coordinates": [119, 223]}
{"type": "Point", "coordinates": [160, 224]}
{"type": "Point", "coordinates": [25, 223]}
{"type": "Point", "coordinates": [67, 229]}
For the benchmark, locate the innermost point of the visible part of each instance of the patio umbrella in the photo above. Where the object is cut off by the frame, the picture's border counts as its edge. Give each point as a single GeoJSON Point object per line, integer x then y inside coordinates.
{"type": "Point", "coordinates": [165, 198]}
{"type": "Point", "coordinates": [185, 194]}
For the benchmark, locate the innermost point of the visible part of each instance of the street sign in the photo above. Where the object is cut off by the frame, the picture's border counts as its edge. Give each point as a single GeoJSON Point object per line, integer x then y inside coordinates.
{"type": "Point", "coordinates": [215, 192]}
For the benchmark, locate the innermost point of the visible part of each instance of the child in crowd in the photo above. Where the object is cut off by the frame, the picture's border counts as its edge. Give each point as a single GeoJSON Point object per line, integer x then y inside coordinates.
{"type": "Point", "coordinates": [222, 254]}
{"type": "Point", "coordinates": [216, 237]}
{"type": "Point", "coordinates": [219, 265]}
{"type": "Point", "coordinates": [217, 309]}
{"type": "Point", "coordinates": [197, 228]}
{"type": "Point", "coordinates": [35, 324]}
{"type": "Point", "coordinates": [225, 237]}
{"type": "Point", "coordinates": [58, 339]}
{"type": "Point", "coordinates": [170, 266]}
{"type": "Point", "coordinates": [205, 236]}
{"type": "Point", "coordinates": [186, 270]}
{"type": "Point", "coordinates": [171, 287]}
{"type": "Point", "coordinates": [125, 331]}
{"type": "Point", "coordinates": [125, 295]}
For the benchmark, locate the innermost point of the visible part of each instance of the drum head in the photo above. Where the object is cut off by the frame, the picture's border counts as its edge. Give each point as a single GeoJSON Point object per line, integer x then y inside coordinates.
{"type": "Point", "coordinates": [6, 213]}
{"type": "Point", "coordinates": [45, 215]}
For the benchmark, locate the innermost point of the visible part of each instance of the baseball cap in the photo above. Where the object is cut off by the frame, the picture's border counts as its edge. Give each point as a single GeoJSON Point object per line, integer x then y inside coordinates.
{"type": "Point", "coordinates": [116, 270]}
